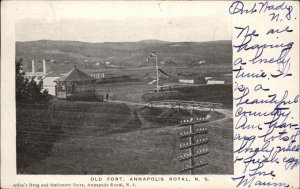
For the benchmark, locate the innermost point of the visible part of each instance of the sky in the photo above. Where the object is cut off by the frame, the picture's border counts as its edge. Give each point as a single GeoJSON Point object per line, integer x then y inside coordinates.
{"type": "Point", "coordinates": [118, 21]}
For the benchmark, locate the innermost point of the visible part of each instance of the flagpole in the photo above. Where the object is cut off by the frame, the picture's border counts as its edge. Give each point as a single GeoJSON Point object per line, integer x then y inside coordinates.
{"type": "Point", "coordinates": [156, 74]}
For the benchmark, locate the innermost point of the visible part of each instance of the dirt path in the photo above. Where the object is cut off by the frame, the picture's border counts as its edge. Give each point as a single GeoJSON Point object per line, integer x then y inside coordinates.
{"type": "Point", "coordinates": [144, 124]}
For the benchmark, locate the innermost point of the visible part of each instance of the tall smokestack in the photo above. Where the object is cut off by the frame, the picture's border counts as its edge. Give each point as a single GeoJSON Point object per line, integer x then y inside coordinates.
{"type": "Point", "coordinates": [44, 67]}
{"type": "Point", "coordinates": [33, 69]}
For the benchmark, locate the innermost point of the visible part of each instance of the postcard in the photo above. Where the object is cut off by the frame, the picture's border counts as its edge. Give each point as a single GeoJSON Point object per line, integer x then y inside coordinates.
{"type": "Point", "coordinates": [149, 94]}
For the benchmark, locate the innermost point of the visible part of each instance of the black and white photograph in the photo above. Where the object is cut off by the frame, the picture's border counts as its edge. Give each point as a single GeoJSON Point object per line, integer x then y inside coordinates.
{"type": "Point", "coordinates": [124, 88]}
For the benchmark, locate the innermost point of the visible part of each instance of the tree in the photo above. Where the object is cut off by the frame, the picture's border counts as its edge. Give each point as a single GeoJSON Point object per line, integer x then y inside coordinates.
{"type": "Point", "coordinates": [29, 91]}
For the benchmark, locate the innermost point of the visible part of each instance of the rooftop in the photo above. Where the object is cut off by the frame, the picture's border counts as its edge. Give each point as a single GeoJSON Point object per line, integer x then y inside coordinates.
{"type": "Point", "coordinates": [75, 75]}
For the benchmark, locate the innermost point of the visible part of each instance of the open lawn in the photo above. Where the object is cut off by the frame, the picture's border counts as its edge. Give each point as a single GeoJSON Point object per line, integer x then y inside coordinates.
{"type": "Point", "coordinates": [108, 138]}
{"type": "Point", "coordinates": [143, 92]}
{"type": "Point", "coordinates": [129, 91]}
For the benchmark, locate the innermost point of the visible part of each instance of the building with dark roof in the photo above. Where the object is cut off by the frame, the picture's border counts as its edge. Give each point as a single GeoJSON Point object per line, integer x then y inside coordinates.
{"type": "Point", "coordinates": [75, 85]}
{"type": "Point", "coordinates": [161, 75]}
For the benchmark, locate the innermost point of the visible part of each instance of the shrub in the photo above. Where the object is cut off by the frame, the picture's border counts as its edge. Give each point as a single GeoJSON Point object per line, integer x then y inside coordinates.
{"type": "Point", "coordinates": [29, 91]}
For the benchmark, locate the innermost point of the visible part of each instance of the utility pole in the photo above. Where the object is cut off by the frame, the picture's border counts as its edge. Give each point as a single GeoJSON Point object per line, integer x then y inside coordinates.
{"type": "Point", "coordinates": [156, 73]}
{"type": "Point", "coordinates": [194, 144]}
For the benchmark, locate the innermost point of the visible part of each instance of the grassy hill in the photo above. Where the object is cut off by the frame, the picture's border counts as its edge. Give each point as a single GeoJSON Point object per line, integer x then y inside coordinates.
{"type": "Point", "coordinates": [111, 138]}
{"type": "Point", "coordinates": [97, 138]}
{"type": "Point", "coordinates": [124, 54]}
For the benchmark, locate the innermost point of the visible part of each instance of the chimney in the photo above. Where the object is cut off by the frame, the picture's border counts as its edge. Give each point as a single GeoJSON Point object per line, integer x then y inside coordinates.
{"type": "Point", "coordinates": [33, 69]}
{"type": "Point", "coordinates": [44, 67]}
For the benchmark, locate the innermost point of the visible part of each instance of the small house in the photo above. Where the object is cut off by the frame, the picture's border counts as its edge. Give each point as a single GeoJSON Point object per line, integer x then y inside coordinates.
{"type": "Point", "coordinates": [187, 80]}
{"type": "Point", "coordinates": [215, 82]}
{"type": "Point", "coordinates": [192, 80]}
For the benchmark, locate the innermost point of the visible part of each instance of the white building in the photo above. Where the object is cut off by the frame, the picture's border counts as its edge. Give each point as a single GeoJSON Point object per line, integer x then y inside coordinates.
{"type": "Point", "coordinates": [48, 82]}
{"type": "Point", "coordinates": [188, 81]}
{"type": "Point", "coordinates": [213, 82]}
{"type": "Point", "coordinates": [47, 77]}
{"type": "Point", "coordinates": [97, 75]}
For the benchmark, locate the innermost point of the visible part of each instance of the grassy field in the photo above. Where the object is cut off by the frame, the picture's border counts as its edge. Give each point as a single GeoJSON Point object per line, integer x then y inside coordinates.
{"type": "Point", "coordinates": [206, 93]}
{"type": "Point", "coordinates": [40, 126]}
{"type": "Point", "coordinates": [142, 92]}
{"type": "Point", "coordinates": [128, 91]}
{"type": "Point", "coordinates": [94, 137]}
